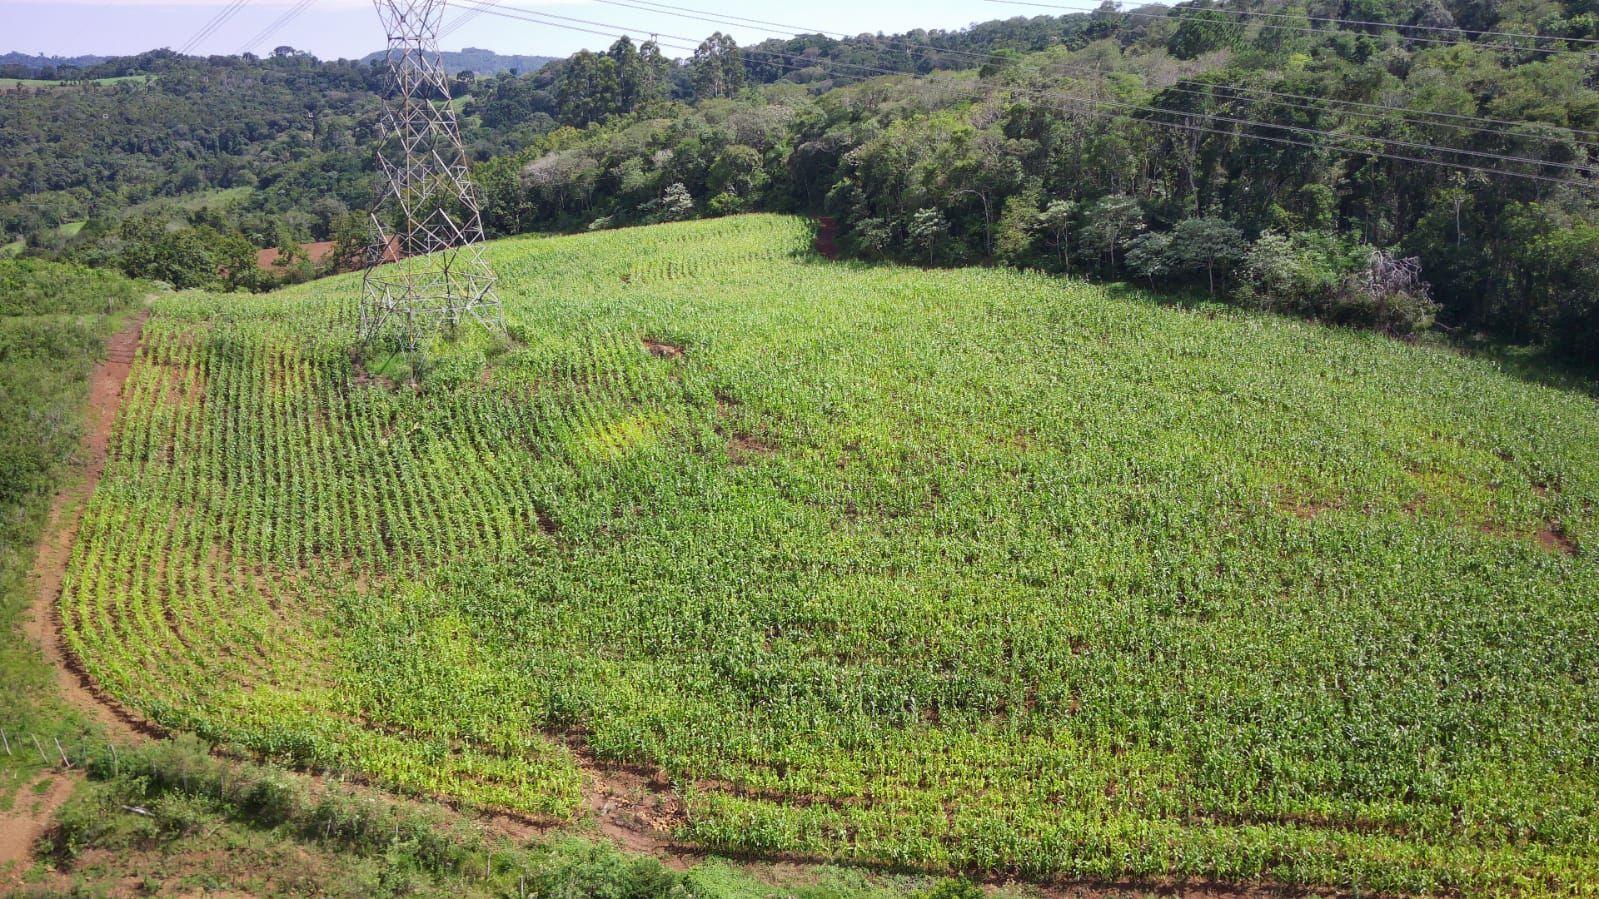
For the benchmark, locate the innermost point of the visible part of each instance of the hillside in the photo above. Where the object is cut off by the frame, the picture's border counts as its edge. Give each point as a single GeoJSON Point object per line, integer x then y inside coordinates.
{"type": "Point", "coordinates": [37, 61]}
{"type": "Point", "coordinates": [974, 569]}
{"type": "Point", "coordinates": [482, 62]}
{"type": "Point", "coordinates": [1282, 160]}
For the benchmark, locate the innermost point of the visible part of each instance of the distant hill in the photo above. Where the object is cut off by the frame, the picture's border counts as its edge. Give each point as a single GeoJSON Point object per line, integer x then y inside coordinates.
{"type": "Point", "coordinates": [483, 62]}
{"type": "Point", "coordinates": [40, 61]}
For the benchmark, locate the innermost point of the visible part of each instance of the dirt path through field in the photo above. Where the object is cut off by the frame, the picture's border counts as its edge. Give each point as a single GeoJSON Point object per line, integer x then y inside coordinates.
{"type": "Point", "coordinates": [43, 621]}
{"type": "Point", "coordinates": [30, 814]}
{"type": "Point", "coordinates": [36, 804]}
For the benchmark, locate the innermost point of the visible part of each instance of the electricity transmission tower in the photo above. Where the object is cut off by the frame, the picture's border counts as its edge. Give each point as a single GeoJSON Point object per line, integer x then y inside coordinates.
{"type": "Point", "coordinates": [425, 268]}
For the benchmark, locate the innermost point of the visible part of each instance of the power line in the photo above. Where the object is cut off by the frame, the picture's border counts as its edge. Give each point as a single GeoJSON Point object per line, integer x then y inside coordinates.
{"type": "Point", "coordinates": [209, 26]}
{"type": "Point", "coordinates": [214, 24]}
{"type": "Point", "coordinates": [278, 25]}
{"type": "Point", "coordinates": [460, 20]}
{"type": "Point", "coordinates": [1380, 110]}
{"type": "Point", "coordinates": [1171, 13]}
{"type": "Point", "coordinates": [1367, 23]}
{"type": "Point", "coordinates": [543, 18]}
{"type": "Point", "coordinates": [1489, 126]}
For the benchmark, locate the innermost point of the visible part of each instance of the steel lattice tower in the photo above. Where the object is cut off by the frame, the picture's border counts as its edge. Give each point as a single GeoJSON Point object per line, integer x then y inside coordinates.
{"type": "Point", "coordinates": [425, 269]}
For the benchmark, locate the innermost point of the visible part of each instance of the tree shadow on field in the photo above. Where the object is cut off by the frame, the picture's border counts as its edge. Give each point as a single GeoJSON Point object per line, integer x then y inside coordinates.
{"type": "Point", "coordinates": [1536, 366]}
{"type": "Point", "coordinates": [1529, 364]}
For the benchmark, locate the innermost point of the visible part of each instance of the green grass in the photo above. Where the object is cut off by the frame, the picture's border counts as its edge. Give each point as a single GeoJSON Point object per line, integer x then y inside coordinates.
{"type": "Point", "coordinates": [955, 569]}
{"type": "Point", "coordinates": [34, 82]}
{"type": "Point", "coordinates": [16, 247]}
{"type": "Point", "coordinates": [215, 825]}
{"type": "Point", "coordinates": [216, 198]}
{"type": "Point", "coordinates": [53, 321]}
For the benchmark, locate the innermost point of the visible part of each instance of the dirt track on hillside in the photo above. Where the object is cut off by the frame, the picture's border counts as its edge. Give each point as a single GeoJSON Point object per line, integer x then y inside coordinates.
{"type": "Point", "coordinates": [43, 622]}
{"type": "Point", "coordinates": [37, 802]}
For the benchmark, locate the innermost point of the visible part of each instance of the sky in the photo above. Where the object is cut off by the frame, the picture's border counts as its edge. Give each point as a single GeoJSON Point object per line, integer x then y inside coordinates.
{"type": "Point", "coordinates": [349, 28]}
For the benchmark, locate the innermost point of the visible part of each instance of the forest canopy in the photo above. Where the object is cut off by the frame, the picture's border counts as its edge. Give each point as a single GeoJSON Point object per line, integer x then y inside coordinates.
{"type": "Point", "coordinates": [1349, 173]}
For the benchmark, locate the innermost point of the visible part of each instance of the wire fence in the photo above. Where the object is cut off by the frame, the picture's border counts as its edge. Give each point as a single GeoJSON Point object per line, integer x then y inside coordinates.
{"type": "Point", "coordinates": [52, 752]}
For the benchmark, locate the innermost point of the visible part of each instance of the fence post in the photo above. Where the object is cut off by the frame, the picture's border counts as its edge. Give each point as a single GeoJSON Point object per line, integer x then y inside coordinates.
{"type": "Point", "coordinates": [5, 741]}
{"type": "Point", "coordinates": [36, 745]}
{"type": "Point", "coordinates": [64, 762]}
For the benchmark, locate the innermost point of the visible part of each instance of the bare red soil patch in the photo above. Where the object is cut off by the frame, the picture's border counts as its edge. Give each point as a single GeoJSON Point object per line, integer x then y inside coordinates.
{"type": "Point", "coordinates": [317, 253]}
{"type": "Point", "coordinates": [744, 448]}
{"type": "Point", "coordinates": [634, 806]}
{"type": "Point", "coordinates": [1309, 510]}
{"type": "Point", "coordinates": [660, 349]}
{"type": "Point", "coordinates": [43, 622]}
{"type": "Point", "coordinates": [827, 237]}
{"type": "Point", "coordinates": [28, 819]}
{"type": "Point", "coordinates": [1554, 539]}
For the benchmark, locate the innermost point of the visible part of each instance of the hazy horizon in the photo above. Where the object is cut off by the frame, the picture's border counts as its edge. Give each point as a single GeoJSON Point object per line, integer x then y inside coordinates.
{"type": "Point", "coordinates": [334, 29]}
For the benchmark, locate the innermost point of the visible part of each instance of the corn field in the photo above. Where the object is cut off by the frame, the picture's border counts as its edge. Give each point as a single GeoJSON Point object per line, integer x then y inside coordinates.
{"type": "Point", "coordinates": [965, 569]}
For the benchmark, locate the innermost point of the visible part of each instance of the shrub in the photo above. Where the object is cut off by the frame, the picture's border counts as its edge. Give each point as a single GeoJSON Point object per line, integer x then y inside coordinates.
{"type": "Point", "coordinates": [1318, 274]}
{"type": "Point", "coordinates": [37, 287]}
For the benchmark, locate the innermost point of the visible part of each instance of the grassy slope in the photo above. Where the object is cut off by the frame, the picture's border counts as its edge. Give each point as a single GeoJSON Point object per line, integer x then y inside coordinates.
{"type": "Point", "coordinates": [35, 83]}
{"type": "Point", "coordinates": [46, 355]}
{"type": "Point", "coordinates": [53, 322]}
{"type": "Point", "coordinates": [208, 828]}
{"type": "Point", "coordinates": [967, 568]}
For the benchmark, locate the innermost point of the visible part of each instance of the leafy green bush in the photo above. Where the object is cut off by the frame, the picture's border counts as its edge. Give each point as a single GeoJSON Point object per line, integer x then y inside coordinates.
{"type": "Point", "coordinates": [1336, 279]}
{"type": "Point", "coordinates": [38, 287]}
{"type": "Point", "coordinates": [42, 362]}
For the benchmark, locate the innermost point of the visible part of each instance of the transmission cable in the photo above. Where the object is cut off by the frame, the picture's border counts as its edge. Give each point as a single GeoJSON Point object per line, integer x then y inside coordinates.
{"type": "Point", "coordinates": [1366, 23]}
{"type": "Point", "coordinates": [211, 27]}
{"type": "Point", "coordinates": [278, 25]}
{"type": "Point", "coordinates": [512, 12]}
{"type": "Point", "coordinates": [1374, 110]}
{"type": "Point", "coordinates": [1171, 13]}
{"type": "Point", "coordinates": [455, 24]}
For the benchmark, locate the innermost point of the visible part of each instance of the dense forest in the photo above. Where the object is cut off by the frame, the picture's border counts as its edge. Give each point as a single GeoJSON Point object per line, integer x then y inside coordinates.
{"type": "Point", "coordinates": [1435, 174]}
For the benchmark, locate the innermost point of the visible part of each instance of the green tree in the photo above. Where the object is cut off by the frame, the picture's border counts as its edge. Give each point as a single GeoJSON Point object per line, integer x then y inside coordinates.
{"type": "Point", "coordinates": [352, 237]}
{"type": "Point", "coordinates": [1016, 236]}
{"type": "Point", "coordinates": [717, 68]}
{"type": "Point", "coordinates": [1206, 243]}
{"type": "Point", "coordinates": [588, 90]}
{"type": "Point", "coordinates": [1149, 256]}
{"type": "Point", "coordinates": [677, 203]}
{"type": "Point", "coordinates": [1056, 220]}
{"type": "Point", "coordinates": [1109, 223]}
{"type": "Point", "coordinates": [1203, 31]}
{"type": "Point", "coordinates": [928, 229]}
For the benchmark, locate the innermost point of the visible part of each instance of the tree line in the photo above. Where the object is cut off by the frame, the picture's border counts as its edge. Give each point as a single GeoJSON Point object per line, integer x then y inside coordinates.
{"type": "Point", "coordinates": [994, 146]}
{"type": "Point", "coordinates": [999, 160]}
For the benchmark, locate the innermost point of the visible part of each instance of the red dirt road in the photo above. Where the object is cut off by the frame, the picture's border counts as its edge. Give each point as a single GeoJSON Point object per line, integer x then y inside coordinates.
{"type": "Point", "coordinates": [43, 622]}
{"type": "Point", "coordinates": [36, 803]}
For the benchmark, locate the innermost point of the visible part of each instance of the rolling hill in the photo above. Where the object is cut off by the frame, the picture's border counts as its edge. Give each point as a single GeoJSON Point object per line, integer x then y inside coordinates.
{"type": "Point", "coordinates": [39, 60]}
{"type": "Point", "coordinates": [482, 62]}
{"type": "Point", "coordinates": [971, 569]}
